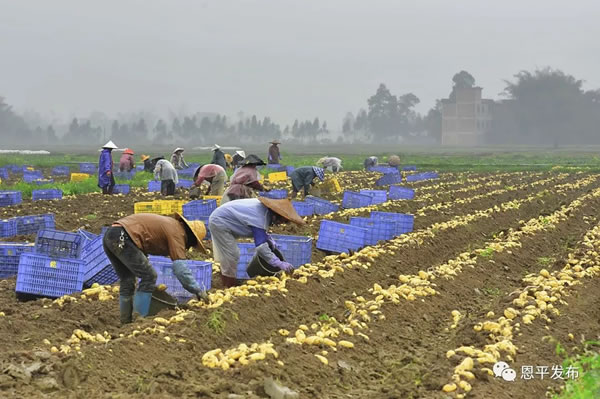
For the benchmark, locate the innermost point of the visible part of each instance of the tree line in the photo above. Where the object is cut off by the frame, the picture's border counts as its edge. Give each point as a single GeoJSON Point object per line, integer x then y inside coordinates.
{"type": "Point", "coordinates": [541, 107]}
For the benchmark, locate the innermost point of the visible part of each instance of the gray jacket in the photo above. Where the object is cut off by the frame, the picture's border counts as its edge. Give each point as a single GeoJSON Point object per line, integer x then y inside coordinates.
{"type": "Point", "coordinates": [165, 170]}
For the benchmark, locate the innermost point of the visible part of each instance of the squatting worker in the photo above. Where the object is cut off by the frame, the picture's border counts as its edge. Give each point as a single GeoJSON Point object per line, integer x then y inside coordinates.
{"type": "Point", "coordinates": [213, 174]}
{"type": "Point", "coordinates": [248, 218]}
{"type": "Point", "coordinates": [106, 180]}
{"type": "Point", "coordinates": [394, 161]}
{"type": "Point", "coordinates": [150, 164]}
{"type": "Point", "coordinates": [127, 163]}
{"type": "Point", "coordinates": [302, 178]}
{"type": "Point", "coordinates": [332, 164]}
{"type": "Point", "coordinates": [370, 162]}
{"type": "Point", "coordinates": [177, 159]}
{"type": "Point", "coordinates": [128, 242]}
{"type": "Point", "coordinates": [245, 180]}
{"type": "Point", "coordinates": [167, 174]}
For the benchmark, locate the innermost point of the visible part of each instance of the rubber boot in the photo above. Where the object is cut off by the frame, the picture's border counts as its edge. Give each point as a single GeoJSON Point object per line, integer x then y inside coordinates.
{"type": "Point", "coordinates": [141, 303]}
{"type": "Point", "coordinates": [228, 281]}
{"type": "Point", "coordinates": [126, 308]}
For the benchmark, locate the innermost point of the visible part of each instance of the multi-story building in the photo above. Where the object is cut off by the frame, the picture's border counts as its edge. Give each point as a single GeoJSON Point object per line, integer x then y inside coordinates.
{"type": "Point", "coordinates": [466, 119]}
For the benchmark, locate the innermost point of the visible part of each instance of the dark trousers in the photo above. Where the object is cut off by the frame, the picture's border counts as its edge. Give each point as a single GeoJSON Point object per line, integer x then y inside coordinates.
{"type": "Point", "coordinates": [167, 187]}
{"type": "Point", "coordinates": [128, 261]}
{"type": "Point", "coordinates": [111, 185]}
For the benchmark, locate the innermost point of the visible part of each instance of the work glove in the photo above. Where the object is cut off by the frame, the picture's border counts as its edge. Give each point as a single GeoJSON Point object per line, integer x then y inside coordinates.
{"type": "Point", "coordinates": [286, 267]}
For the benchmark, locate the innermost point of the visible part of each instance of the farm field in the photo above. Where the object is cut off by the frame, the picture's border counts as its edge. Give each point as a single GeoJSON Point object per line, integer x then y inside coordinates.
{"type": "Point", "coordinates": [501, 266]}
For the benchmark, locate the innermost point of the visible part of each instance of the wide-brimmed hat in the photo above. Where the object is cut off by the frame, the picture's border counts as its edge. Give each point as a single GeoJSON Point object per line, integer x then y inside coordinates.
{"type": "Point", "coordinates": [110, 145]}
{"type": "Point", "coordinates": [394, 160]}
{"type": "Point", "coordinates": [319, 172]}
{"type": "Point", "coordinates": [282, 207]}
{"type": "Point", "coordinates": [228, 158]}
{"type": "Point", "coordinates": [144, 157]}
{"type": "Point", "coordinates": [128, 151]}
{"type": "Point", "coordinates": [215, 147]}
{"type": "Point", "coordinates": [275, 142]}
{"type": "Point", "coordinates": [178, 149]}
{"type": "Point", "coordinates": [241, 153]}
{"type": "Point", "coordinates": [253, 160]}
{"type": "Point", "coordinates": [197, 227]}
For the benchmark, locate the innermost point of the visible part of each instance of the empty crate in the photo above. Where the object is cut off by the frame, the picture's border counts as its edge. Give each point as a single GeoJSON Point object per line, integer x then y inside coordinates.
{"type": "Point", "coordinates": [202, 272]}
{"type": "Point", "coordinates": [321, 206]}
{"type": "Point", "coordinates": [8, 198]}
{"type": "Point", "coordinates": [60, 244]}
{"type": "Point", "coordinates": [304, 208]}
{"type": "Point", "coordinates": [352, 199]}
{"type": "Point", "coordinates": [404, 222]}
{"type": "Point", "coordinates": [121, 189]}
{"type": "Point", "coordinates": [87, 167]}
{"type": "Point", "coordinates": [10, 252]}
{"type": "Point", "coordinates": [33, 223]}
{"type": "Point", "coordinates": [389, 178]}
{"type": "Point", "coordinates": [40, 274]}
{"type": "Point", "coordinates": [296, 250]}
{"type": "Point", "coordinates": [274, 194]}
{"type": "Point", "coordinates": [199, 208]}
{"type": "Point", "coordinates": [8, 228]}
{"type": "Point", "coordinates": [60, 171]}
{"type": "Point", "coordinates": [49, 194]}
{"type": "Point", "coordinates": [398, 192]}
{"type": "Point", "coordinates": [31, 176]}
{"type": "Point", "coordinates": [153, 185]}
{"type": "Point", "coordinates": [340, 237]}
{"type": "Point", "coordinates": [377, 229]}
{"type": "Point", "coordinates": [377, 196]}
{"type": "Point", "coordinates": [98, 268]}
{"type": "Point", "coordinates": [383, 169]}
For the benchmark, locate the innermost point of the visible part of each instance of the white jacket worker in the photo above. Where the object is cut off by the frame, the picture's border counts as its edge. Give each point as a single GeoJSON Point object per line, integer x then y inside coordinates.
{"type": "Point", "coordinates": [331, 164]}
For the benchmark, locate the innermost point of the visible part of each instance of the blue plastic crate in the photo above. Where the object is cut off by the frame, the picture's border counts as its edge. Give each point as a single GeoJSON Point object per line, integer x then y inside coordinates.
{"type": "Point", "coordinates": [33, 223]}
{"type": "Point", "coordinates": [39, 274]}
{"type": "Point", "coordinates": [352, 199]}
{"type": "Point", "coordinates": [8, 228]}
{"type": "Point", "coordinates": [384, 169]}
{"type": "Point", "coordinates": [340, 237]}
{"type": "Point", "coordinates": [377, 196]}
{"type": "Point", "coordinates": [49, 194]}
{"type": "Point", "coordinates": [304, 208]}
{"type": "Point", "coordinates": [87, 238]}
{"type": "Point", "coordinates": [14, 168]}
{"type": "Point", "coordinates": [153, 186]}
{"type": "Point", "coordinates": [139, 168]}
{"type": "Point", "coordinates": [30, 177]}
{"type": "Point", "coordinates": [8, 198]}
{"type": "Point", "coordinates": [409, 168]}
{"type": "Point", "coordinates": [10, 252]}
{"type": "Point", "coordinates": [187, 172]}
{"type": "Point", "coordinates": [185, 183]}
{"type": "Point", "coordinates": [422, 176]}
{"type": "Point", "coordinates": [296, 250]}
{"type": "Point", "coordinates": [124, 175]}
{"type": "Point", "coordinates": [88, 167]}
{"type": "Point", "coordinates": [274, 194]}
{"type": "Point", "coordinates": [276, 167]}
{"type": "Point", "coordinates": [199, 208]}
{"type": "Point", "coordinates": [44, 181]}
{"type": "Point", "coordinates": [202, 272]}
{"type": "Point", "coordinates": [389, 178]}
{"type": "Point", "coordinates": [27, 168]}
{"type": "Point", "coordinates": [321, 206]}
{"type": "Point", "coordinates": [246, 253]}
{"type": "Point", "coordinates": [60, 244]}
{"type": "Point", "coordinates": [121, 189]}
{"type": "Point", "coordinates": [61, 171]}
{"type": "Point", "coordinates": [404, 222]}
{"type": "Point", "coordinates": [98, 268]}
{"type": "Point", "coordinates": [3, 173]}
{"type": "Point", "coordinates": [398, 192]}
{"type": "Point", "coordinates": [289, 170]}
{"type": "Point", "coordinates": [377, 230]}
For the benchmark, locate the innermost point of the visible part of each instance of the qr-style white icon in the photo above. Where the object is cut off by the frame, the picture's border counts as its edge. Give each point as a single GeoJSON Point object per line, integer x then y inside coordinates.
{"type": "Point", "coordinates": [501, 369]}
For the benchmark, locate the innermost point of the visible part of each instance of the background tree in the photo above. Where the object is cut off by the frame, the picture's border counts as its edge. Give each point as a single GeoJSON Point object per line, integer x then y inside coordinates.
{"type": "Point", "coordinates": [383, 114]}
{"type": "Point", "coordinates": [461, 80]}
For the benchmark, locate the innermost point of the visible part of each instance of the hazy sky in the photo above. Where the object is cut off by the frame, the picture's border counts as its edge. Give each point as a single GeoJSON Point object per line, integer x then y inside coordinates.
{"type": "Point", "coordinates": [285, 59]}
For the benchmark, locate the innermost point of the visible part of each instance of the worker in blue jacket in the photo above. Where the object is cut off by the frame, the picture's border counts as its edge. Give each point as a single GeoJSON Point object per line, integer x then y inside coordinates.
{"type": "Point", "coordinates": [106, 180]}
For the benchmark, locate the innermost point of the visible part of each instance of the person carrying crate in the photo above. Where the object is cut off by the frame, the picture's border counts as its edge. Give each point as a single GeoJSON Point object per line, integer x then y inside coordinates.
{"type": "Point", "coordinates": [245, 180]}
{"type": "Point", "coordinates": [302, 178]}
{"type": "Point", "coordinates": [129, 241]}
{"type": "Point", "coordinates": [213, 174]}
{"type": "Point", "coordinates": [167, 174]}
{"type": "Point", "coordinates": [106, 180]}
{"type": "Point", "coordinates": [248, 218]}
